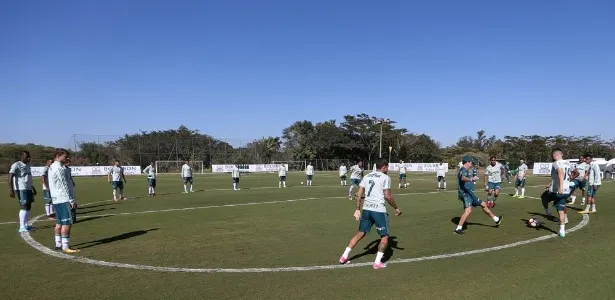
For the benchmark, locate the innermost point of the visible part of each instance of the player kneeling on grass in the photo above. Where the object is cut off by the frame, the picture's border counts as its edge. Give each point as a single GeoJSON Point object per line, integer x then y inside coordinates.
{"type": "Point", "coordinates": [595, 180]}
{"type": "Point", "coordinates": [493, 180]}
{"type": "Point", "coordinates": [377, 188]}
{"type": "Point", "coordinates": [151, 179]}
{"type": "Point", "coordinates": [282, 174]}
{"type": "Point", "coordinates": [558, 190]}
{"type": "Point", "coordinates": [63, 198]}
{"type": "Point", "coordinates": [465, 190]}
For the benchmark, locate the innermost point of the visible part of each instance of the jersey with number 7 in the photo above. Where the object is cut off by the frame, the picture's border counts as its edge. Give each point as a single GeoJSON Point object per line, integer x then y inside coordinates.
{"type": "Point", "coordinates": [374, 184]}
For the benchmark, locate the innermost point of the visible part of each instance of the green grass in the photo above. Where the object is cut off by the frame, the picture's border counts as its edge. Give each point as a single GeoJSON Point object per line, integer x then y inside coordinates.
{"type": "Point", "coordinates": [201, 230]}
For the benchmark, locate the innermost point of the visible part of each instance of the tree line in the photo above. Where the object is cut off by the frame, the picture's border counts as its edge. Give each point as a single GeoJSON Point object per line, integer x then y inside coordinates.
{"type": "Point", "coordinates": [356, 138]}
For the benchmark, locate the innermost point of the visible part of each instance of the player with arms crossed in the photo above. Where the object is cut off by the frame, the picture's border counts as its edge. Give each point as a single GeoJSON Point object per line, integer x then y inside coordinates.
{"type": "Point", "coordinates": [465, 191]}
{"type": "Point", "coordinates": [187, 175]}
{"type": "Point", "coordinates": [63, 198]}
{"type": "Point", "coordinates": [356, 173]}
{"type": "Point", "coordinates": [377, 189]}
{"type": "Point", "coordinates": [20, 184]}
{"type": "Point", "coordinates": [309, 172]}
{"type": "Point", "coordinates": [282, 174]}
{"type": "Point", "coordinates": [402, 175]}
{"type": "Point", "coordinates": [558, 190]}
{"type": "Point", "coordinates": [117, 179]}
{"type": "Point", "coordinates": [151, 179]}
{"type": "Point", "coordinates": [343, 171]}
{"type": "Point", "coordinates": [579, 177]}
{"type": "Point", "coordinates": [493, 180]}
{"type": "Point", "coordinates": [235, 174]}
{"type": "Point", "coordinates": [520, 179]}
{"type": "Point", "coordinates": [441, 173]}
{"type": "Point", "coordinates": [595, 180]}
{"type": "Point", "coordinates": [46, 194]}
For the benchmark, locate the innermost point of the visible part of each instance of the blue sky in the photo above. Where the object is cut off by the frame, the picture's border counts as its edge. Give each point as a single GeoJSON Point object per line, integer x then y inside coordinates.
{"type": "Point", "coordinates": [246, 69]}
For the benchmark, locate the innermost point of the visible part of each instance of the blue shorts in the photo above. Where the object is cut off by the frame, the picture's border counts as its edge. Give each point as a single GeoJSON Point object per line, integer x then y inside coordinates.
{"type": "Point", "coordinates": [117, 185]}
{"type": "Point", "coordinates": [47, 196]}
{"type": "Point", "coordinates": [309, 177]}
{"type": "Point", "coordinates": [402, 176]}
{"type": "Point", "coordinates": [355, 181]}
{"type": "Point", "coordinates": [64, 213]}
{"type": "Point", "coordinates": [370, 218]}
{"type": "Point", "coordinates": [559, 201]}
{"type": "Point", "coordinates": [493, 185]}
{"type": "Point", "coordinates": [282, 178]}
{"type": "Point", "coordinates": [151, 182]}
{"type": "Point", "coordinates": [580, 184]}
{"type": "Point", "coordinates": [343, 177]}
{"type": "Point", "coordinates": [470, 200]}
{"type": "Point", "coordinates": [520, 182]}
{"type": "Point", "coordinates": [188, 180]}
{"type": "Point", "coordinates": [592, 191]}
{"type": "Point", "coordinates": [235, 179]}
{"type": "Point", "coordinates": [25, 197]}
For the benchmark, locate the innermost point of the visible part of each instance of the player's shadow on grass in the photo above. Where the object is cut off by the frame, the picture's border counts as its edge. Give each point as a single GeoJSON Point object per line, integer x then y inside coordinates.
{"type": "Point", "coordinates": [88, 219]}
{"type": "Point", "coordinates": [455, 221]}
{"type": "Point", "coordinates": [372, 248]}
{"type": "Point", "coordinates": [85, 206]}
{"type": "Point", "coordinates": [539, 227]}
{"type": "Point", "coordinates": [574, 208]}
{"type": "Point", "coordinates": [123, 236]}
{"type": "Point", "coordinates": [550, 218]}
{"type": "Point", "coordinates": [93, 211]}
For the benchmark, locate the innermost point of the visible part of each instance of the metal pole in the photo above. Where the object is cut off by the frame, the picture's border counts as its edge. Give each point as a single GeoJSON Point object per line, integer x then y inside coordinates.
{"type": "Point", "coordinates": [381, 123]}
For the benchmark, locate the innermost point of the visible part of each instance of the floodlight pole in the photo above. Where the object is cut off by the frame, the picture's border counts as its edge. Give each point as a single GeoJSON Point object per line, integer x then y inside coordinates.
{"type": "Point", "coordinates": [381, 122]}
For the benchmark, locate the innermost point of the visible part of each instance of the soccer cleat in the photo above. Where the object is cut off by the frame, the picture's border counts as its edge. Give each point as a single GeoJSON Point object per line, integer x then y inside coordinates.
{"type": "Point", "coordinates": [592, 212]}
{"type": "Point", "coordinates": [379, 266]}
{"type": "Point", "coordinates": [23, 229]}
{"type": "Point", "coordinates": [499, 220]}
{"type": "Point", "coordinates": [459, 231]}
{"type": "Point", "coordinates": [521, 197]}
{"type": "Point", "coordinates": [344, 260]}
{"type": "Point", "coordinates": [515, 196]}
{"type": "Point", "coordinates": [70, 251]}
{"type": "Point", "coordinates": [562, 234]}
{"type": "Point", "coordinates": [584, 212]}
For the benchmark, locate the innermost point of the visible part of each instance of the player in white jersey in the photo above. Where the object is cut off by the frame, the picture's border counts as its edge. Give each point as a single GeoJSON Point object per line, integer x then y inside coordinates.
{"type": "Point", "coordinates": [558, 190]}
{"type": "Point", "coordinates": [282, 174]}
{"type": "Point", "coordinates": [343, 171]}
{"type": "Point", "coordinates": [595, 181]}
{"type": "Point", "coordinates": [46, 194]}
{"type": "Point", "coordinates": [441, 173]}
{"type": "Point", "coordinates": [309, 172]}
{"type": "Point", "coordinates": [235, 174]}
{"type": "Point", "coordinates": [117, 179]}
{"type": "Point", "coordinates": [579, 177]}
{"type": "Point", "coordinates": [493, 180]}
{"type": "Point", "coordinates": [20, 184]}
{"type": "Point", "coordinates": [402, 175]}
{"type": "Point", "coordinates": [356, 173]}
{"type": "Point", "coordinates": [520, 175]}
{"type": "Point", "coordinates": [371, 210]}
{"type": "Point", "coordinates": [151, 179]}
{"type": "Point", "coordinates": [63, 198]}
{"type": "Point", "coordinates": [187, 175]}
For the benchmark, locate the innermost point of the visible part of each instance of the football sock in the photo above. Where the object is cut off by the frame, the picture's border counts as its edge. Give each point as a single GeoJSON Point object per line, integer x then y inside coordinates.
{"type": "Point", "coordinates": [350, 190]}
{"type": "Point", "coordinates": [65, 241]}
{"type": "Point", "coordinates": [495, 218]}
{"type": "Point", "coordinates": [48, 209]}
{"type": "Point", "coordinates": [185, 188]}
{"type": "Point", "coordinates": [562, 228]}
{"type": "Point", "coordinates": [459, 227]}
{"type": "Point", "coordinates": [346, 252]}
{"type": "Point", "coordinates": [284, 183]}
{"type": "Point", "coordinates": [379, 256]}
{"type": "Point", "coordinates": [22, 218]}
{"type": "Point", "coordinates": [114, 194]}
{"type": "Point", "coordinates": [593, 207]}
{"type": "Point", "coordinates": [516, 191]}
{"type": "Point", "coordinates": [26, 217]}
{"type": "Point", "coordinates": [445, 185]}
{"type": "Point", "coordinates": [522, 191]}
{"type": "Point", "coordinates": [439, 184]}
{"type": "Point", "coordinates": [58, 240]}
{"type": "Point", "coordinates": [587, 208]}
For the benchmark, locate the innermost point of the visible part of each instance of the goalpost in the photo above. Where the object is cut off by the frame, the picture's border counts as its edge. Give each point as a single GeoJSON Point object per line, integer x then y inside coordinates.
{"type": "Point", "coordinates": [175, 166]}
{"type": "Point", "coordinates": [293, 165]}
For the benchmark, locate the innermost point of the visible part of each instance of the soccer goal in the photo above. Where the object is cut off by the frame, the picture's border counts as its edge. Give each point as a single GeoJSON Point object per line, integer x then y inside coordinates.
{"type": "Point", "coordinates": [175, 166]}
{"type": "Point", "coordinates": [293, 165]}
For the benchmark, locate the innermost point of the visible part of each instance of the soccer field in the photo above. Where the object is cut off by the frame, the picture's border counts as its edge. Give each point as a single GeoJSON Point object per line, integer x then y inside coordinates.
{"type": "Point", "coordinates": [268, 243]}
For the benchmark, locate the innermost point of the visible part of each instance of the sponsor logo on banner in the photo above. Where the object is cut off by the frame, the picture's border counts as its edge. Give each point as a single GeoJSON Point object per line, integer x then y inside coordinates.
{"type": "Point", "coordinates": [255, 168]}
{"type": "Point", "coordinates": [542, 168]}
{"type": "Point", "coordinates": [90, 170]}
{"type": "Point", "coordinates": [417, 167]}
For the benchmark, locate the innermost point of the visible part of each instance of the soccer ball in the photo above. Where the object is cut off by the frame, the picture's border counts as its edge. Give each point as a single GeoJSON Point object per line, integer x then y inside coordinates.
{"type": "Point", "coordinates": [533, 222]}
{"type": "Point", "coordinates": [301, 182]}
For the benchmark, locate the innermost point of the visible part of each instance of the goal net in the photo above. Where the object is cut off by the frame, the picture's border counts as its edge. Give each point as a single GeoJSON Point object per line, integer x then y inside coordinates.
{"type": "Point", "coordinates": [293, 165]}
{"type": "Point", "coordinates": [175, 167]}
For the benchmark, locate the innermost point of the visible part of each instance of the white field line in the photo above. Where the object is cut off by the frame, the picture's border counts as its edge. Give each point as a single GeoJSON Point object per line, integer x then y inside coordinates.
{"type": "Point", "coordinates": [220, 206]}
{"type": "Point", "coordinates": [38, 246]}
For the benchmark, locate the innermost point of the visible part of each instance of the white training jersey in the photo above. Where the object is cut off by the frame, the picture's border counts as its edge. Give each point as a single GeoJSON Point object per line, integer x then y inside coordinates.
{"type": "Point", "coordinates": [402, 169]}
{"type": "Point", "coordinates": [60, 186]}
{"type": "Point", "coordinates": [282, 171]}
{"type": "Point", "coordinates": [235, 172]}
{"type": "Point", "coordinates": [582, 168]}
{"type": "Point", "coordinates": [186, 171]}
{"type": "Point", "coordinates": [460, 165]}
{"type": "Point", "coordinates": [116, 173]}
{"type": "Point", "coordinates": [522, 171]}
{"type": "Point", "coordinates": [375, 183]}
{"type": "Point", "coordinates": [594, 174]}
{"type": "Point", "coordinates": [45, 176]}
{"type": "Point", "coordinates": [560, 164]}
{"type": "Point", "coordinates": [441, 170]}
{"type": "Point", "coordinates": [150, 171]}
{"type": "Point", "coordinates": [356, 172]}
{"type": "Point", "coordinates": [343, 171]}
{"type": "Point", "coordinates": [494, 173]}
{"type": "Point", "coordinates": [309, 170]}
{"type": "Point", "coordinates": [23, 176]}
